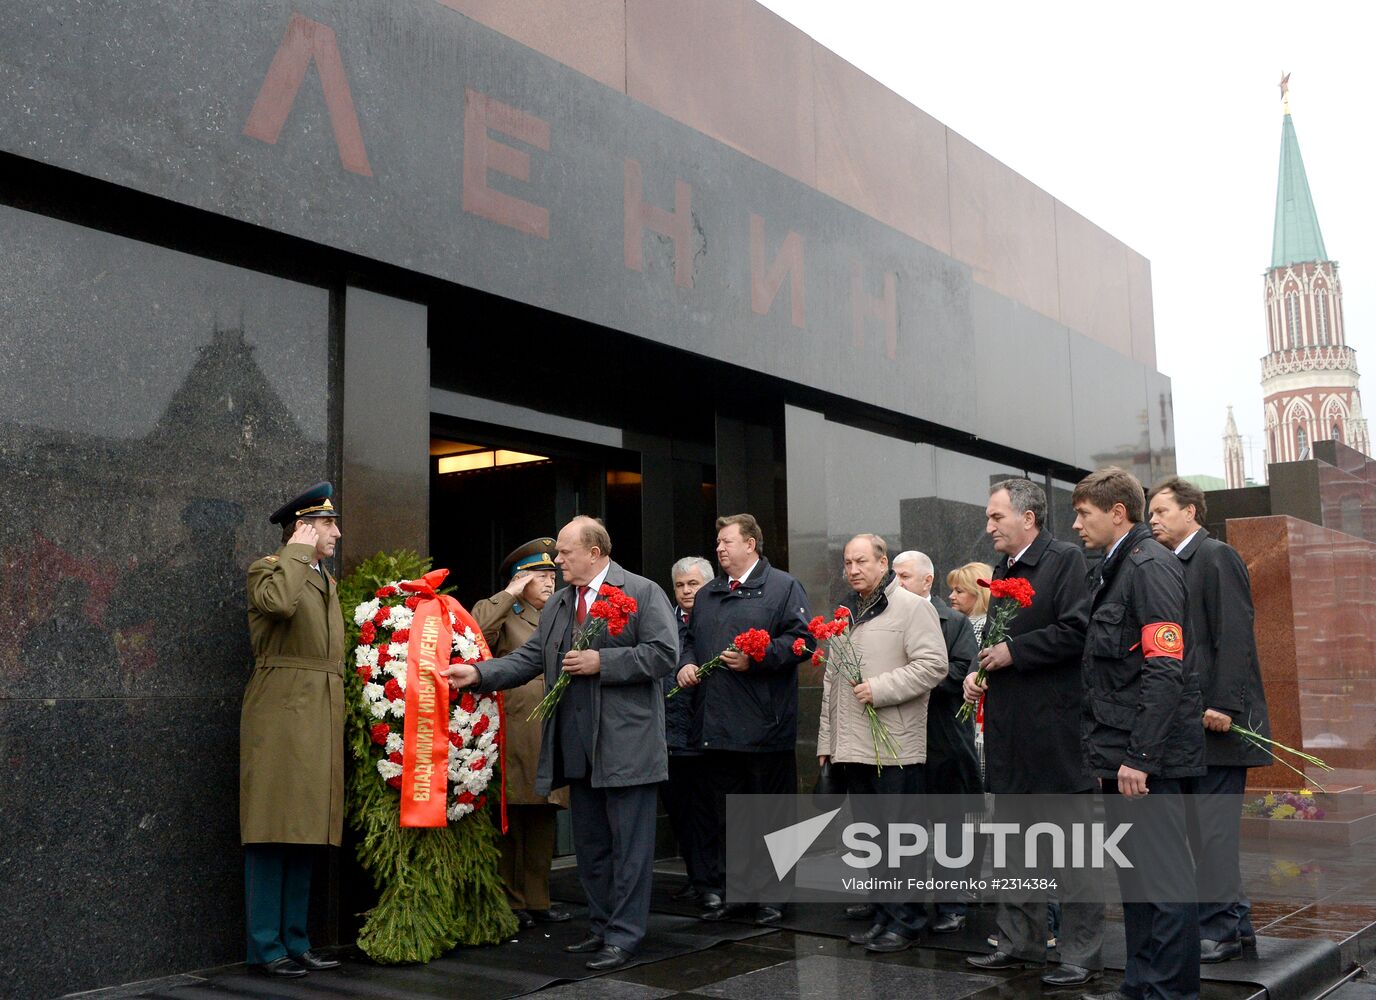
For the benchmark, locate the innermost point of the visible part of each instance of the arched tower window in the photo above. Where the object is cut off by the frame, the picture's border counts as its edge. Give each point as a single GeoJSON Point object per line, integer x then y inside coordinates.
{"type": "Point", "coordinates": [1321, 314]}
{"type": "Point", "coordinates": [1337, 432]}
{"type": "Point", "coordinates": [1292, 313]}
{"type": "Point", "coordinates": [1301, 443]}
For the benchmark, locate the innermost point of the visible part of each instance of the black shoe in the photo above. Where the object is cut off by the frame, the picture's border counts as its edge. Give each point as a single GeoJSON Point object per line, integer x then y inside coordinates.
{"type": "Point", "coordinates": [866, 936]}
{"type": "Point", "coordinates": [282, 968]}
{"type": "Point", "coordinates": [889, 941]}
{"type": "Point", "coordinates": [711, 901]}
{"type": "Point", "coordinates": [313, 962]}
{"type": "Point", "coordinates": [610, 957]}
{"type": "Point", "coordinates": [998, 960]}
{"type": "Point", "coordinates": [860, 911]}
{"type": "Point", "coordinates": [1248, 940]}
{"type": "Point", "coordinates": [550, 916]}
{"type": "Point", "coordinates": [1068, 975]}
{"type": "Point", "coordinates": [948, 923]}
{"type": "Point", "coordinates": [728, 911]}
{"type": "Point", "coordinates": [524, 920]}
{"type": "Point", "coordinates": [1213, 952]}
{"type": "Point", "coordinates": [589, 944]}
{"type": "Point", "coordinates": [688, 894]}
{"type": "Point", "coordinates": [768, 915]}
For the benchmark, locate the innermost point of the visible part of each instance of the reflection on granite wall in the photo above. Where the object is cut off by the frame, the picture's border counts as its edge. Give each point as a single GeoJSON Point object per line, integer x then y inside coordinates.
{"type": "Point", "coordinates": [1315, 594]}
{"type": "Point", "coordinates": [154, 407]}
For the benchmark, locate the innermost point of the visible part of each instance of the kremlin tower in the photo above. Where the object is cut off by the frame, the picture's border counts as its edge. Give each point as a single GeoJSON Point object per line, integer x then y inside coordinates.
{"type": "Point", "coordinates": [1309, 374]}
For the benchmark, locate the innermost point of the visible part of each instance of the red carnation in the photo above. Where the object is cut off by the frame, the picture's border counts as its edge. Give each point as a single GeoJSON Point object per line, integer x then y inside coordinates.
{"type": "Point", "coordinates": [464, 798]}
{"type": "Point", "coordinates": [395, 782]}
{"type": "Point", "coordinates": [392, 690]}
{"type": "Point", "coordinates": [468, 702]}
{"type": "Point", "coordinates": [401, 635]}
{"type": "Point", "coordinates": [754, 643]}
{"type": "Point", "coordinates": [413, 602]}
{"type": "Point", "coordinates": [480, 727]}
{"type": "Point", "coordinates": [842, 612]}
{"type": "Point", "coordinates": [379, 733]}
{"type": "Point", "coordinates": [456, 740]}
{"type": "Point", "coordinates": [364, 671]}
{"type": "Point", "coordinates": [383, 657]}
{"type": "Point", "coordinates": [381, 617]}
{"type": "Point", "coordinates": [799, 646]}
{"type": "Point", "coordinates": [388, 591]}
{"type": "Point", "coordinates": [817, 658]}
{"type": "Point", "coordinates": [478, 764]}
{"type": "Point", "coordinates": [395, 756]}
{"type": "Point", "coordinates": [367, 633]}
{"type": "Point", "coordinates": [1015, 587]}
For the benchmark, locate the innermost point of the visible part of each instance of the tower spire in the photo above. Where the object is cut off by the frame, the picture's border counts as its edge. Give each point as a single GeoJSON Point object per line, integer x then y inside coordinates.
{"type": "Point", "coordinates": [1296, 238]}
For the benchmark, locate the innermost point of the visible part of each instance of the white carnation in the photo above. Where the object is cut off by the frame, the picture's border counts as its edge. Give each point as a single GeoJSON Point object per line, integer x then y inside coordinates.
{"type": "Point", "coordinates": [372, 692]}
{"type": "Point", "coordinates": [378, 709]}
{"type": "Point", "coordinates": [394, 744]}
{"type": "Point", "coordinates": [366, 610]}
{"type": "Point", "coordinates": [388, 770]}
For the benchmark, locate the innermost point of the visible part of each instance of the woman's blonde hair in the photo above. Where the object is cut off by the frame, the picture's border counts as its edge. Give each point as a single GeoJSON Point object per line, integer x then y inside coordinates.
{"type": "Point", "coordinates": [964, 577]}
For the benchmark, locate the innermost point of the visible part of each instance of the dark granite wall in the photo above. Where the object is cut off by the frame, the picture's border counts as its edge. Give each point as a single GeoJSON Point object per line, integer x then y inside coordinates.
{"type": "Point", "coordinates": [154, 407]}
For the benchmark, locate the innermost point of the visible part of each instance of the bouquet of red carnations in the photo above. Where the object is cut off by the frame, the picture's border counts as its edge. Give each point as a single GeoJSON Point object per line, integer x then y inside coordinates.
{"type": "Point", "coordinates": [842, 657]}
{"type": "Point", "coordinates": [1012, 594]}
{"type": "Point", "coordinates": [753, 642]}
{"type": "Point", "coordinates": [609, 613]}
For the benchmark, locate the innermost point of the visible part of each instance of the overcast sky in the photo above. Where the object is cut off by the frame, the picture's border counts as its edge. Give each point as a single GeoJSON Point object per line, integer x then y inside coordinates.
{"type": "Point", "coordinates": [1161, 123]}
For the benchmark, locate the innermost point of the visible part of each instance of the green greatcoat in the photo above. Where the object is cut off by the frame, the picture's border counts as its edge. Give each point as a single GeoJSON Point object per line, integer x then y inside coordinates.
{"type": "Point", "coordinates": [291, 732]}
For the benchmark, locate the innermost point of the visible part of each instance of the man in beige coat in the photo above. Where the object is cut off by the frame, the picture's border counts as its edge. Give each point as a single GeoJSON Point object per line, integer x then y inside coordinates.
{"type": "Point", "coordinates": [508, 618]}
{"type": "Point", "coordinates": [897, 639]}
{"type": "Point", "coordinates": [291, 733]}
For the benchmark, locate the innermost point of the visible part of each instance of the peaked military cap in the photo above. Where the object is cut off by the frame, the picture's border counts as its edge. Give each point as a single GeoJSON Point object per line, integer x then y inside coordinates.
{"type": "Point", "coordinates": [536, 554]}
{"type": "Point", "coordinates": [315, 502]}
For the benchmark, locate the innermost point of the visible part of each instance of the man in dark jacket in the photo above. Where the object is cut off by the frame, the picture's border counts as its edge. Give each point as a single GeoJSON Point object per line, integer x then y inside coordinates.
{"type": "Point", "coordinates": [1142, 730]}
{"type": "Point", "coordinates": [746, 721]}
{"type": "Point", "coordinates": [952, 762]}
{"type": "Point", "coordinates": [1222, 651]}
{"type": "Point", "coordinates": [1032, 709]}
{"type": "Point", "coordinates": [606, 737]}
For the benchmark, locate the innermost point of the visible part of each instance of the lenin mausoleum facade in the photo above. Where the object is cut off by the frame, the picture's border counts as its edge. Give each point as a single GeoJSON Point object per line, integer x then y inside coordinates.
{"type": "Point", "coordinates": [484, 265]}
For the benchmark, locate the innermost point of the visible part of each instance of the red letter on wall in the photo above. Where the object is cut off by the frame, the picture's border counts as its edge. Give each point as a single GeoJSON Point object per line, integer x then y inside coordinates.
{"type": "Point", "coordinates": [482, 153]}
{"type": "Point", "coordinates": [864, 306]}
{"type": "Point", "coordinates": [764, 286]}
{"type": "Point", "coordinates": [677, 225]}
{"type": "Point", "coordinates": [304, 42]}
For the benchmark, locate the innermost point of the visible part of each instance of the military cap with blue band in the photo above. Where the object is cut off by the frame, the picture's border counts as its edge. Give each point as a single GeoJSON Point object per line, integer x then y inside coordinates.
{"type": "Point", "coordinates": [536, 554]}
{"type": "Point", "coordinates": [315, 502]}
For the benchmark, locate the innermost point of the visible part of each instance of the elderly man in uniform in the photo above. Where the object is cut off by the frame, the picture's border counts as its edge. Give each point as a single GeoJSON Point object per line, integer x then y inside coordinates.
{"type": "Point", "coordinates": [291, 733]}
{"type": "Point", "coordinates": [508, 619]}
{"type": "Point", "coordinates": [606, 737]}
{"type": "Point", "coordinates": [1142, 731]}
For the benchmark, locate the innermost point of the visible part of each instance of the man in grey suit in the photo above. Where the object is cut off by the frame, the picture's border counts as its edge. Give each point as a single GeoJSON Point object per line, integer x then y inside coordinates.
{"type": "Point", "coordinates": [606, 738]}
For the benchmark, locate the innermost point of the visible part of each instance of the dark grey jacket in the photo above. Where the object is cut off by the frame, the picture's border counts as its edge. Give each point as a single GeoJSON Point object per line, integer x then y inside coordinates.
{"type": "Point", "coordinates": [1221, 646]}
{"type": "Point", "coordinates": [628, 734]}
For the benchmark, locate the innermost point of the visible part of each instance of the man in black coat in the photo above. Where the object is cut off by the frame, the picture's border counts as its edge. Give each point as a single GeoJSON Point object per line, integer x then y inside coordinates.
{"type": "Point", "coordinates": [952, 766]}
{"type": "Point", "coordinates": [1142, 730]}
{"type": "Point", "coordinates": [1032, 707]}
{"type": "Point", "coordinates": [1222, 650]}
{"type": "Point", "coordinates": [746, 714]}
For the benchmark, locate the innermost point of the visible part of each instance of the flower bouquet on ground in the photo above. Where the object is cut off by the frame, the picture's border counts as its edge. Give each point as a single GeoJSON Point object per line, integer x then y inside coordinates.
{"type": "Point", "coordinates": [609, 613]}
{"type": "Point", "coordinates": [1011, 595]}
{"type": "Point", "coordinates": [1285, 805]}
{"type": "Point", "coordinates": [843, 658]}
{"type": "Point", "coordinates": [753, 642]}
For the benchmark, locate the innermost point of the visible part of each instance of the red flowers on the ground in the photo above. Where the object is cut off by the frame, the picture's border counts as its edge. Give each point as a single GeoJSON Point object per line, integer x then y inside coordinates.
{"type": "Point", "coordinates": [1015, 587]}
{"type": "Point", "coordinates": [379, 732]}
{"type": "Point", "coordinates": [754, 643]}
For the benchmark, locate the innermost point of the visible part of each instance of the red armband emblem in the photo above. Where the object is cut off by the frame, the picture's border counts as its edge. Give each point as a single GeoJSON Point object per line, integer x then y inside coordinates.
{"type": "Point", "coordinates": [1163, 639]}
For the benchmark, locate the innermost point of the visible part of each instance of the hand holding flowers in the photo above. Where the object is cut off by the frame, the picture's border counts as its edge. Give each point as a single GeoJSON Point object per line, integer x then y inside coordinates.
{"type": "Point", "coordinates": [843, 658]}
{"type": "Point", "coordinates": [1010, 595]}
{"type": "Point", "coordinates": [609, 613]}
{"type": "Point", "coordinates": [749, 645]}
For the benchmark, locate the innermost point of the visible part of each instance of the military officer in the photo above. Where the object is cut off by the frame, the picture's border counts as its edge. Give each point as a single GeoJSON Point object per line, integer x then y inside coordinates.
{"type": "Point", "coordinates": [291, 733]}
{"type": "Point", "coordinates": [508, 618]}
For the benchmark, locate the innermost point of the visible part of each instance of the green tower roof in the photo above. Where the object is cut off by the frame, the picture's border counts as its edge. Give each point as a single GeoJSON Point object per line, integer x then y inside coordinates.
{"type": "Point", "coordinates": [1297, 238]}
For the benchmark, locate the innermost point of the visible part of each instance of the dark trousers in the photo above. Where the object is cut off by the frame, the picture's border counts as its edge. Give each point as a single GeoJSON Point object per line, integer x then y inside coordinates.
{"type": "Point", "coordinates": [1215, 835]}
{"type": "Point", "coordinates": [688, 801]}
{"type": "Point", "coordinates": [614, 842]}
{"type": "Point", "coordinates": [905, 919]}
{"type": "Point", "coordinates": [277, 895]}
{"type": "Point", "coordinates": [527, 849]}
{"type": "Point", "coordinates": [1024, 924]}
{"type": "Point", "coordinates": [735, 772]}
{"type": "Point", "coordinates": [1162, 938]}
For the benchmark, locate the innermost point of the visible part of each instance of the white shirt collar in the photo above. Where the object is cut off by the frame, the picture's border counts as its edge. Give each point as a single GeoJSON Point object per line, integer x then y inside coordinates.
{"type": "Point", "coordinates": [746, 575]}
{"type": "Point", "coordinates": [596, 584]}
{"type": "Point", "coordinates": [1018, 558]}
{"type": "Point", "coordinates": [1181, 547]}
{"type": "Point", "coordinates": [1114, 547]}
{"type": "Point", "coordinates": [926, 597]}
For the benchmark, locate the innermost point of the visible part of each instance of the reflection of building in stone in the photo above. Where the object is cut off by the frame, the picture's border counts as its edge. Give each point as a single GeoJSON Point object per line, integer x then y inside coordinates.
{"type": "Point", "coordinates": [149, 527]}
{"type": "Point", "coordinates": [1147, 462]}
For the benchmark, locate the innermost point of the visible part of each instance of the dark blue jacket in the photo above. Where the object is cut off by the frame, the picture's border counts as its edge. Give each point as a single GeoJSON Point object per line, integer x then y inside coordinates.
{"type": "Point", "coordinates": [678, 710]}
{"type": "Point", "coordinates": [754, 709]}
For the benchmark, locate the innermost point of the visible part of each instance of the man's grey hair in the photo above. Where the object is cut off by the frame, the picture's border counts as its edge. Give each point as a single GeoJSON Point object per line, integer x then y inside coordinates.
{"type": "Point", "coordinates": [1025, 495]}
{"type": "Point", "coordinates": [924, 562]}
{"type": "Point", "coordinates": [688, 564]}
